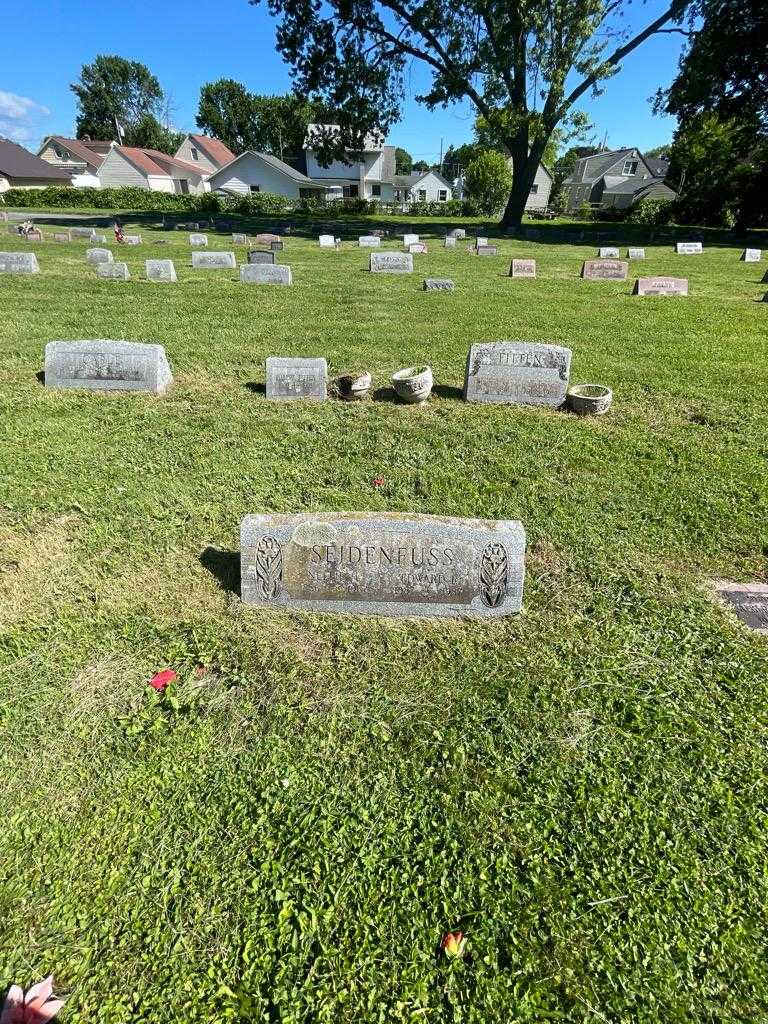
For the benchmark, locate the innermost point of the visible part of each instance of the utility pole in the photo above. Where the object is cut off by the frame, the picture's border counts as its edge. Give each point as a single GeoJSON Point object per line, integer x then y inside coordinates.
{"type": "Point", "coordinates": [441, 154]}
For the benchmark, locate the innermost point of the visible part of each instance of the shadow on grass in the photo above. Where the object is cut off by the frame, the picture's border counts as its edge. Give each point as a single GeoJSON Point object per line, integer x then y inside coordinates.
{"type": "Point", "coordinates": [40, 377]}
{"type": "Point", "coordinates": [257, 387]}
{"type": "Point", "coordinates": [224, 566]}
{"type": "Point", "coordinates": [448, 391]}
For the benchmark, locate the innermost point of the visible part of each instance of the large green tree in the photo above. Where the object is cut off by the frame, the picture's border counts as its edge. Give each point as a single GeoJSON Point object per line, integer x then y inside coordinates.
{"type": "Point", "coordinates": [523, 64]}
{"type": "Point", "coordinates": [488, 181]}
{"type": "Point", "coordinates": [403, 161]}
{"type": "Point", "coordinates": [112, 89]}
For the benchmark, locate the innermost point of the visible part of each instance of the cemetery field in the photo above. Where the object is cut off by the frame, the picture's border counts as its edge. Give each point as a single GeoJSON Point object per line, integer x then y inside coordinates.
{"type": "Point", "coordinates": [286, 833]}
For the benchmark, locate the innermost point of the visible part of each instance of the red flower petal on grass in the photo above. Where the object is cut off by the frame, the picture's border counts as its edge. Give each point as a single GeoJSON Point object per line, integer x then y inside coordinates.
{"type": "Point", "coordinates": [378, 481]}
{"type": "Point", "coordinates": [162, 679]}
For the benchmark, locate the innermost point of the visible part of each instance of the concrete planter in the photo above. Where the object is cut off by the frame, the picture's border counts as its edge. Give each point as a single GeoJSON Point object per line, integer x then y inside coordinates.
{"type": "Point", "coordinates": [353, 387]}
{"type": "Point", "coordinates": [590, 399]}
{"type": "Point", "coordinates": [413, 384]}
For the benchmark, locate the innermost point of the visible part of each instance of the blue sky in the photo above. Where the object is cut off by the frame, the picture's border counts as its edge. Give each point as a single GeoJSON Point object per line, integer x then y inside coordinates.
{"type": "Point", "coordinates": [187, 45]}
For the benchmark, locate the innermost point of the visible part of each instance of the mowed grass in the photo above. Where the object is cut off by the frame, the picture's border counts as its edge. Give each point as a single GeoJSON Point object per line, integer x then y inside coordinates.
{"type": "Point", "coordinates": [288, 832]}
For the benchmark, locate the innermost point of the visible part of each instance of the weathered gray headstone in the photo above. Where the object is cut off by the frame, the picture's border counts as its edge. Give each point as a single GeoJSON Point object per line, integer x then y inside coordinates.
{"type": "Point", "coordinates": [610, 270]}
{"type": "Point", "coordinates": [450, 241]}
{"type": "Point", "coordinates": [458, 232]}
{"type": "Point", "coordinates": [61, 236]}
{"type": "Point", "coordinates": [239, 239]}
{"type": "Point", "coordinates": [391, 263]}
{"type": "Point", "coordinates": [201, 240]}
{"type": "Point", "coordinates": [132, 239]}
{"type": "Point", "coordinates": [481, 240]}
{"type": "Point", "coordinates": [18, 263]}
{"type": "Point", "coordinates": [213, 260]}
{"type": "Point", "coordinates": [518, 373]}
{"type": "Point", "coordinates": [81, 232]}
{"type": "Point", "coordinates": [113, 271]}
{"type": "Point", "coordinates": [327, 242]}
{"type": "Point", "coordinates": [749, 601]}
{"type": "Point", "coordinates": [752, 255]}
{"type": "Point", "coordinates": [265, 273]}
{"type": "Point", "coordinates": [276, 246]}
{"type": "Point", "coordinates": [369, 241]}
{"type": "Point", "coordinates": [487, 250]}
{"type": "Point", "coordinates": [99, 255]}
{"type": "Point", "coordinates": [160, 270]}
{"type": "Point", "coordinates": [99, 239]}
{"type": "Point", "coordinates": [661, 286]}
{"type": "Point", "coordinates": [261, 256]}
{"type": "Point", "coordinates": [636, 254]}
{"type": "Point", "coordinates": [608, 252]}
{"type": "Point", "coordinates": [102, 365]}
{"type": "Point", "coordinates": [266, 237]}
{"type": "Point", "coordinates": [410, 239]}
{"type": "Point", "coordinates": [34, 236]}
{"type": "Point", "coordinates": [391, 563]}
{"type": "Point", "coordinates": [438, 284]}
{"type": "Point", "coordinates": [289, 378]}
{"type": "Point", "coordinates": [522, 268]}
{"type": "Point", "coordinates": [417, 247]}
{"type": "Point", "coordinates": [689, 248]}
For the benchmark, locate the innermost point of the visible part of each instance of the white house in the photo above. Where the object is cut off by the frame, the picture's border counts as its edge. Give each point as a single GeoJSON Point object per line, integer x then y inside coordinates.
{"type": "Point", "coordinates": [150, 169]}
{"type": "Point", "coordinates": [82, 158]}
{"type": "Point", "coordinates": [421, 187]}
{"type": "Point", "coordinates": [204, 152]}
{"type": "Point", "coordinates": [541, 189]}
{"type": "Point", "coordinates": [262, 172]}
{"type": "Point", "coordinates": [367, 175]}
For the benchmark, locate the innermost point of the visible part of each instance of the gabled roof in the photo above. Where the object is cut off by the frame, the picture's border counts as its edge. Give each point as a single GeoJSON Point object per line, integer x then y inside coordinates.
{"type": "Point", "coordinates": [214, 148]}
{"type": "Point", "coordinates": [411, 180]}
{"type": "Point", "coordinates": [596, 166]}
{"type": "Point", "coordinates": [275, 163]}
{"type": "Point", "coordinates": [17, 162]}
{"type": "Point", "coordinates": [317, 133]}
{"type": "Point", "coordinates": [84, 151]}
{"type": "Point", "coordinates": [152, 161]}
{"type": "Point", "coordinates": [657, 165]}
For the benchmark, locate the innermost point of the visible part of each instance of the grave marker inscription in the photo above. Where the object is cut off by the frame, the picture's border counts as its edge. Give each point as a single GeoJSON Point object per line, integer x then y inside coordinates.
{"type": "Point", "coordinates": [102, 365]}
{"type": "Point", "coordinates": [689, 248]}
{"type": "Point", "coordinates": [213, 260]}
{"type": "Point", "coordinates": [749, 601]}
{"type": "Point", "coordinates": [661, 286]}
{"type": "Point", "coordinates": [261, 256]}
{"type": "Point", "coordinates": [18, 263]}
{"type": "Point", "coordinates": [113, 271]}
{"type": "Point", "coordinates": [265, 273]}
{"type": "Point", "coordinates": [605, 270]}
{"type": "Point", "coordinates": [160, 270]}
{"type": "Point", "coordinates": [522, 268]}
{"type": "Point", "coordinates": [99, 255]}
{"type": "Point", "coordinates": [391, 263]}
{"type": "Point", "coordinates": [438, 284]}
{"type": "Point", "coordinates": [518, 373]}
{"type": "Point", "coordinates": [289, 378]}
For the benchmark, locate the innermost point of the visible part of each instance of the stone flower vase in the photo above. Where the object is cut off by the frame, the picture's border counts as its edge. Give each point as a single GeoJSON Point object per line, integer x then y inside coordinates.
{"type": "Point", "coordinates": [413, 384]}
{"type": "Point", "coordinates": [353, 387]}
{"type": "Point", "coordinates": [590, 399]}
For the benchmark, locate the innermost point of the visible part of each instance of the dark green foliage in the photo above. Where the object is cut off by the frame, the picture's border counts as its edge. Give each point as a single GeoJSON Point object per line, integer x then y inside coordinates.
{"type": "Point", "coordinates": [403, 161]}
{"type": "Point", "coordinates": [651, 212]}
{"type": "Point", "coordinates": [421, 165]}
{"type": "Point", "coordinates": [123, 198]}
{"type": "Point", "coordinates": [148, 133]}
{"type": "Point", "coordinates": [488, 181]}
{"type": "Point", "coordinates": [115, 88]}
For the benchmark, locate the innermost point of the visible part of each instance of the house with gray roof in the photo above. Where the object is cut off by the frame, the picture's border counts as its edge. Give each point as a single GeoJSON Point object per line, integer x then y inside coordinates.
{"type": "Point", "coordinates": [617, 179]}
{"type": "Point", "coordinates": [262, 172]}
{"type": "Point", "coordinates": [82, 158]}
{"type": "Point", "coordinates": [420, 187]}
{"type": "Point", "coordinates": [21, 169]}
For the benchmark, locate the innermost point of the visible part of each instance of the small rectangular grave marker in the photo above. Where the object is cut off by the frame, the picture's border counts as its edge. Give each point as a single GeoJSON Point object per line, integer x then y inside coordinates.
{"type": "Point", "coordinates": [132, 239]}
{"type": "Point", "coordinates": [417, 247]}
{"type": "Point", "coordinates": [518, 373]}
{"type": "Point", "coordinates": [18, 263]}
{"type": "Point", "coordinates": [481, 240]}
{"type": "Point", "coordinates": [450, 241]}
{"type": "Point", "coordinates": [752, 255]}
{"type": "Point", "coordinates": [458, 232]}
{"type": "Point", "coordinates": [160, 270]}
{"type": "Point", "coordinates": [636, 254]}
{"type": "Point", "coordinates": [198, 240]}
{"type": "Point", "coordinates": [522, 268]}
{"type": "Point", "coordinates": [103, 365]}
{"type": "Point", "coordinates": [213, 260]}
{"type": "Point", "coordinates": [276, 246]}
{"type": "Point", "coordinates": [369, 241]}
{"type": "Point", "coordinates": [390, 563]}
{"type": "Point", "coordinates": [391, 263]}
{"type": "Point", "coordinates": [327, 242]}
{"type": "Point", "coordinates": [34, 236]}
{"type": "Point", "coordinates": [261, 256]}
{"type": "Point", "coordinates": [438, 284]}
{"type": "Point", "coordinates": [113, 271]}
{"type": "Point", "coordinates": [410, 239]}
{"type": "Point", "coordinates": [289, 378]}
{"type": "Point", "coordinates": [605, 270]}
{"type": "Point", "coordinates": [99, 255]}
{"type": "Point", "coordinates": [608, 252]}
{"type": "Point", "coordinates": [266, 237]}
{"type": "Point", "coordinates": [661, 286]}
{"type": "Point", "coordinates": [749, 601]}
{"type": "Point", "coordinates": [487, 250]}
{"type": "Point", "coordinates": [99, 239]}
{"type": "Point", "coordinates": [265, 273]}
{"type": "Point", "coordinates": [81, 232]}
{"type": "Point", "coordinates": [689, 248]}
{"type": "Point", "coordinates": [61, 236]}
{"type": "Point", "coordinates": [238, 239]}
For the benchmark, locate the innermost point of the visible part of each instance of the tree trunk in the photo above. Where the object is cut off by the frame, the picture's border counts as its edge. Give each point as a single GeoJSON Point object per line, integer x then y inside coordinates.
{"type": "Point", "coordinates": [524, 168]}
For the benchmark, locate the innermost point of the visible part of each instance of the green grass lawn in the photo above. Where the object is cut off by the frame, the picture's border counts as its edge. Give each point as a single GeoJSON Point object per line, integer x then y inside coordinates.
{"type": "Point", "coordinates": [287, 833]}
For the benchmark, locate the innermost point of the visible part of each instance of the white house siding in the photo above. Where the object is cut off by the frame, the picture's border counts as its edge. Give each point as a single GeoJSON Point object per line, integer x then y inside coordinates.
{"type": "Point", "coordinates": [4, 184]}
{"type": "Point", "coordinates": [540, 192]}
{"type": "Point", "coordinates": [431, 186]}
{"type": "Point", "coordinates": [117, 171]}
{"type": "Point", "coordinates": [184, 153]}
{"type": "Point", "coordinates": [86, 180]}
{"type": "Point", "coordinates": [249, 170]}
{"type": "Point", "coordinates": [337, 169]}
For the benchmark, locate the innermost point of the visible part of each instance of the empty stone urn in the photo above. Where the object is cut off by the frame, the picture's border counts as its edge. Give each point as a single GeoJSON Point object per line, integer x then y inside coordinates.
{"type": "Point", "coordinates": [413, 384]}
{"type": "Point", "coordinates": [353, 387]}
{"type": "Point", "coordinates": [590, 399]}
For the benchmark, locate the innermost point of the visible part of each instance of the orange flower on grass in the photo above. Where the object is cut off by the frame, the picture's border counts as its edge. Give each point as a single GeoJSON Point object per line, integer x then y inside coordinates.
{"type": "Point", "coordinates": [454, 944]}
{"type": "Point", "coordinates": [162, 679]}
{"type": "Point", "coordinates": [36, 1007]}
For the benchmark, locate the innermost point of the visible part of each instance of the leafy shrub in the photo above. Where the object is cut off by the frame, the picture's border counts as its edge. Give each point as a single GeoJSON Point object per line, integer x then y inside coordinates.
{"type": "Point", "coordinates": [650, 212]}
{"type": "Point", "coordinates": [488, 182]}
{"type": "Point", "coordinates": [260, 203]}
{"type": "Point", "coordinates": [124, 198]}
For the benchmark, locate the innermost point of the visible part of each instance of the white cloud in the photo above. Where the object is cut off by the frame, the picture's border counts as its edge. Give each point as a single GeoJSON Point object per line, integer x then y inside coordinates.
{"type": "Point", "coordinates": [20, 108]}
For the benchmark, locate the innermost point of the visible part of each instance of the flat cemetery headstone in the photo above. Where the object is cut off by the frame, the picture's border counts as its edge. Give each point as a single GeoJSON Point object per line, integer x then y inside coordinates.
{"type": "Point", "coordinates": [689, 248]}
{"type": "Point", "coordinates": [132, 239]}
{"type": "Point", "coordinates": [608, 252]}
{"type": "Point", "coordinates": [18, 263]}
{"type": "Point", "coordinates": [265, 273]}
{"type": "Point", "coordinates": [749, 601]}
{"type": "Point", "coordinates": [289, 378]}
{"type": "Point", "coordinates": [661, 286]}
{"type": "Point", "coordinates": [34, 236]}
{"type": "Point", "coordinates": [605, 270]}
{"type": "Point", "coordinates": [99, 255]}
{"type": "Point", "coordinates": [438, 284]}
{"type": "Point", "coordinates": [369, 241]}
{"type": "Point", "coordinates": [61, 236]}
{"type": "Point", "coordinates": [417, 247]}
{"type": "Point", "coordinates": [457, 233]}
{"type": "Point", "coordinates": [487, 250]}
{"type": "Point", "coordinates": [327, 242]}
{"type": "Point", "coordinates": [450, 241]}
{"type": "Point", "coordinates": [160, 270]}
{"type": "Point", "coordinates": [752, 255]}
{"type": "Point", "coordinates": [517, 373]}
{"type": "Point", "coordinates": [239, 239]}
{"type": "Point", "coordinates": [390, 563]}
{"type": "Point", "coordinates": [261, 256]}
{"type": "Point", "coordinates": [636, 254]}
{"type": "Point", "coordinates": [391, 263]}
{"type": "Point", "coordinates": [198, 240]}
{"type": "Point", "coordinates": [113, 271]}
{"type": "Point", "coordinates": [81, 232]}
{"type": "Point", "coordinates": [522, 268]}
{"type": "Point", "coordinates": [481, 240]}
{"type": "Point", "coordinates": [103, 365]}
{"type": "Point", "coordinates": [276, 246]}
{"type": "Point", "coordinates": [213, 261]}
{"type": "Point", "coordinates": [410, 239]}
{"type": "Point", "coordinates": [266, 238]}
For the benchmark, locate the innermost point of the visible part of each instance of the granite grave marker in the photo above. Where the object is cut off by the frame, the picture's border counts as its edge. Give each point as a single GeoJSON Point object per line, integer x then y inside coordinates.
{"type": "Point", "coordinates": [113, 271]}
{"type": "Point", "coordinates": [213, 260]}
{"type": "Point", "coordinates": [689, 248]}
{"type": "Point", "coordinates": [608, 252]}
{"type": "Point", "coordinates": [438, 284]}
{"type": "Point", "coordinates": [265, 273]}
{"type": "Point", "coordinates": [752, 255]}
{"type": "Point", "coordinates": [290, 378]}
{"type": "Point", "coordinates": [261, 256]}
{"type": "Point", "coordinates": [102, 365]}
{"type": "Point", "coordinates": [391, 263]}
{"type": "Point", "coordinates": [605, 270]}
{"type": "Point", "coordinates": [749, 601]}
{"type": "Point", "coordinates": [369, 241]}
{"type": "Point", "coordinates": [636, 254]}
{"type": "Point", "coordinates": [199, 240]}
{"type": "Point", "coordinates": [99, 255]}
{"type": "Point", "coordinates": [160, 270]}
{"type": "Point", "coordinates": [517, 373]}
{"type": "Point", "coordinates": [522, 268]}
{"type": "Point", "coordinates": [18, 263]}
{"type": "Point", "coordinates": [661, 286]}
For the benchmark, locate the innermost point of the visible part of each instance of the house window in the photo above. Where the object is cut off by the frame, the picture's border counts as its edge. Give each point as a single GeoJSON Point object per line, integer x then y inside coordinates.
{"type": "Point", "coordinates": [442, 195]}
{"type": "Point", "coordinates": [351, 191]}
{"type": "Point", "coordinates": [422, 195]}
{"type": "Point", "coordinates": [255, 188]}
{"type": "Point", "coordinates": [630, 167]}
{"type": "Point", "coordinates": [307, 193]}
{"type": "Point", "coordinates": [182, 186]}
{"type": "Point", "coordinates": [193, 151]}
{"type": "Point", "coordinates": [534, 189]}
{"type": "Point", "coordinates": [375, 190]}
